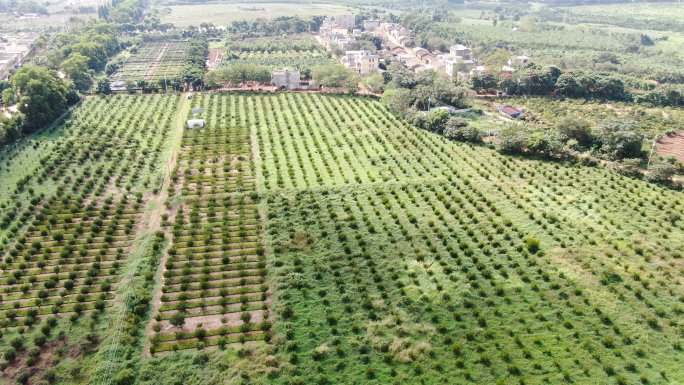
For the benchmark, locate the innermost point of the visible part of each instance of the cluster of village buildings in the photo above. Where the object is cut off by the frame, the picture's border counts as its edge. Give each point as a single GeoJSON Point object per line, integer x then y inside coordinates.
{"type": "Point", "coordinates": [396, 47]}
{"type": "Point", "coordinates": [13, 49]}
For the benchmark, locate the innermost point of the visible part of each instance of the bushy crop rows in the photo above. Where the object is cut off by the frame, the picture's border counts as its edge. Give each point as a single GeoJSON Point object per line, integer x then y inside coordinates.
{"type": "Point", "coordinates": [171, 62]}
{"type": "Point", "coordinates": [69, 258]}
{"type": "Point", "coordinates": [215, 275]}
{"type": "Point", "coordinates": [153, 61]}
{"type": "Point", "coordinates": [402, 257]}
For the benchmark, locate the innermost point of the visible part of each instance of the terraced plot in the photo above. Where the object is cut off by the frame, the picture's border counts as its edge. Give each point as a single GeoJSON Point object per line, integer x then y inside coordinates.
{"type": "Point", "coordinates": [215, 275]}
{"type": "Point", "coordinates": [153, 61]}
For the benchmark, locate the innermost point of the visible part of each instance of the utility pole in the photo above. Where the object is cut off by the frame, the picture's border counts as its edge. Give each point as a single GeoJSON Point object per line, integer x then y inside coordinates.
{"type": "Point", "coordinates": [565, 16]}
{"type": "Point", "coordinates": [650, 156]}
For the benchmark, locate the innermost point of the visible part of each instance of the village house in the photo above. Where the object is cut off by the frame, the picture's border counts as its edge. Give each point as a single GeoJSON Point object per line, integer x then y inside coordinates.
{"type": "Point", "coordinates": [341, 20]}
{"type": "Point", "coordinates": [449, 65]}
{"type": "Point", "coordinates": [460, 50]}
{"type": "Point", "coordinates": [286, 79]}
{"type": "Point", "coordinates": [370, 25]}
{"type": "Point", "coordinates": [510, 111]}
{"type": "Point", "coordinates": [364, 62]}
{"type": "Point", "coordinates": [14, 50]}
{"type": "Point", "coordinates": [479, 71]}
{"type": "Point", "coordinates": [215, 60]}
{"type": "Point", "coordinates": [519, 61]}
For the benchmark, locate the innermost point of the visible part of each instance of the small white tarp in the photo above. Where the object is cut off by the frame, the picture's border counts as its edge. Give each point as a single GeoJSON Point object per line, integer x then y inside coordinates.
{"type": "Point", "coordinates": [192, 123]}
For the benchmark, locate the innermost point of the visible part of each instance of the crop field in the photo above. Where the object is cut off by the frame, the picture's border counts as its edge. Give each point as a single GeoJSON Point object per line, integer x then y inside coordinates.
{"type": "Point", "coordinates": [401, 256]}
{"type": "Point", "coordinates": [153, 61]}
{"type": "Point", "coordinates": [312, 239]}
{"type": "Point", "coordinates": [70, 247]}
{"type": "Point", "coordinates": [215, 274]}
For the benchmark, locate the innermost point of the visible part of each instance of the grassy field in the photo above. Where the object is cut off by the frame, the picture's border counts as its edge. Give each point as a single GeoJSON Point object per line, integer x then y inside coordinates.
{"type": "Point", "coordinates": [313, 239]}
{"type": "Point", "coordinates": [224, 13]}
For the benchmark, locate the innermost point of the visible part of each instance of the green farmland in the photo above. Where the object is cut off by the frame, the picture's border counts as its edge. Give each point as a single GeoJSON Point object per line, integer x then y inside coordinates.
{"type": "Point", "coordinates": [303, 238]}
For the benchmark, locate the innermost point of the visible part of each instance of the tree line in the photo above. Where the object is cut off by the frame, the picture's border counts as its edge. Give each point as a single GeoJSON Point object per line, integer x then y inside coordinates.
{"type": "Point", "coordinates": [548, 80]}
{"type": "Point", "coordinates": [83, 50]}
{"type": "Point", "coordinates": [283, 25]}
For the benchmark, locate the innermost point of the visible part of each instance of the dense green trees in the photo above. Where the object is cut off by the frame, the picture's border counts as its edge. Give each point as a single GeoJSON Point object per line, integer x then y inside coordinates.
{"type": "Point", "coordinates": [406, 90]}
{"type": "Point", "coordinates": [194, 67]}
{"type": "Point", "coordinates": [573, 128]}
{"type": "Point", "coordinates": [22, 7]}
{"type": "Point", "coordinates": [335, 76]}
{"type": "Point", "coordinates": [76, 68]}
{"type": "Point", "coordinates": [613, 139]}
{"type": "Point", "coordinates": [236, 74]}
{"type": "Point", "coordinates": [41, 96]}
{"type": "Point", "coordinates": [457, 128]}
{"type": "Point", "coordinates": [128, 11]}
{"type": "Point", "coordinates": [96, 41]}
{"type": "Point", "coordinates": [619, 139]}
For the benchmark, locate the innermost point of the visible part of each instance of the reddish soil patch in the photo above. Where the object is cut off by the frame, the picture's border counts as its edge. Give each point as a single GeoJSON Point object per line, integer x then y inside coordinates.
{"type": "Point", "coordinates": [672, 145]}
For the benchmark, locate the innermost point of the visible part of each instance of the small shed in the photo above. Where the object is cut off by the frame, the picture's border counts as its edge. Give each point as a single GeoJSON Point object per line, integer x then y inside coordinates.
{"type": "Point", "coordinates": [510, 111]}
{"type": "Point", "coordinates": [192, 123]}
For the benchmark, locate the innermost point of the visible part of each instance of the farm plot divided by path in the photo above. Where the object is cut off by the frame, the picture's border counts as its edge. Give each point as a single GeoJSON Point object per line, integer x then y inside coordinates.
{"type": "Point", "coordinates": [153, 61]}
{"type": "Point", "coordinates": [69, 258]}
{"type": "Point", "coordinates": [215, 273]}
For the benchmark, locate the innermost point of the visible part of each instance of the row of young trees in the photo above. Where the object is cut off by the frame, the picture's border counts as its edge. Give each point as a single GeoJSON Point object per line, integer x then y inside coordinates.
{"type": "Point", "coordinates": [236, 74]}
{"type": "Point", "coordinates": [284, 25]}
{"type": "Point", "coordinates": [330, 76]}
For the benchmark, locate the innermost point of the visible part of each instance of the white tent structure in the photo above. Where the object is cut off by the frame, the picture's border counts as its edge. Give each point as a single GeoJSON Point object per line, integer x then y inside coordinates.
{"type": "Point", "coordinates": [192, 123]}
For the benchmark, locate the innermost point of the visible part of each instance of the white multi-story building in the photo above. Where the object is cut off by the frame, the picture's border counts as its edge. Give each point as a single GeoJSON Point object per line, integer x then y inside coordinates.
{"type": "Point", "coordinates": [346, 20]}
{"type": "Point", "coordinates": [460, 50]}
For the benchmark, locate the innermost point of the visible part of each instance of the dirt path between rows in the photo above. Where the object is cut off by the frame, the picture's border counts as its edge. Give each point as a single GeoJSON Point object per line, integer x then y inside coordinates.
{"type": "Point", "coordinates": [152, 219]}
{"type": "Point", "coordinates": [155, 62]}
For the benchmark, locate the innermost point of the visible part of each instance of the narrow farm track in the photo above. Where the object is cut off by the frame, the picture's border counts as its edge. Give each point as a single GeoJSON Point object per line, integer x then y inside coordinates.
{"type": "Point", "coordinates": [155, 218]}
{"type": "Point", "coordinates": [155, 62]}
